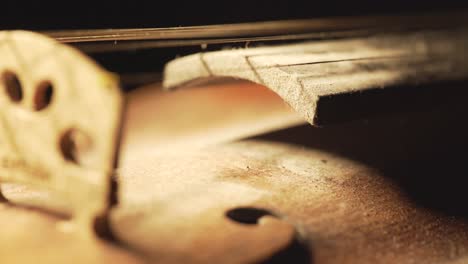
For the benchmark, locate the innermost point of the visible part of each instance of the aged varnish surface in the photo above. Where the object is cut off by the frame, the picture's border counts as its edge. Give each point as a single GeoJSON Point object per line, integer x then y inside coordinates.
{"type": "Point", "coordinates": [359, 192]}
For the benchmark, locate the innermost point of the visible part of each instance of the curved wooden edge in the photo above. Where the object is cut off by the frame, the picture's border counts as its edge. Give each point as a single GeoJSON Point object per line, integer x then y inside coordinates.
{"type": "Point", "coordinates": [308, 76]}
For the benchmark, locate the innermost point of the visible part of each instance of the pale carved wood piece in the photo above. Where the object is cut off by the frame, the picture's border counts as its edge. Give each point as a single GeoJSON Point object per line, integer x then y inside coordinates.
{"type": "Point", "coordinates": [59, 122]}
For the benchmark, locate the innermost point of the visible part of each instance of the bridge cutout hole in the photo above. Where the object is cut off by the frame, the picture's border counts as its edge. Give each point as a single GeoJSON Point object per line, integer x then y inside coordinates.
{"type": "Point", "coordinates": [75, 146]}
{"type": "Point", "coordinates": [43, 96]}
{"type": "Point", "coordinates": [13, 87]}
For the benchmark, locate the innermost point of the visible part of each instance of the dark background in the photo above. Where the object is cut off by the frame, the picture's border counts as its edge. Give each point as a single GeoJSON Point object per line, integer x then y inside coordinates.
{"type": "Point", "coordinates": [40, 15]}
{"type": "Point", "coordinates": [76, 14]}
